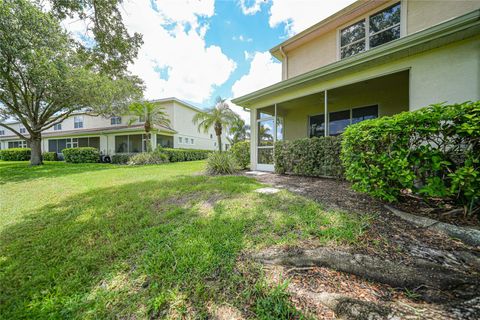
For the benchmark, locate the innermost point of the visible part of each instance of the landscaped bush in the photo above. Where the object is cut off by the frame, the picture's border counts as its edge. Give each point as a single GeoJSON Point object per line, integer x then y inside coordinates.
{"type": "Point", "coordinates": [122, 158]}
{"type": "Point", "coordinates": [155, 157]}
{"type": "Point", "coordinates": [317, 157]}
{"type": "Point", "coordinates": [178, 155]}
{"type": "Point", "coordinates": [221, 163]}
{"type": "Point", "coordinates": [15, 154]}
{"type": "Point", "coordinates": [241, 153]}
{"type": "Point", "coordinates": [432, 152]}
{"type": "Point", "coordinates": [81, 155]}
{"type": "Point", "coordinates": [50, 156]}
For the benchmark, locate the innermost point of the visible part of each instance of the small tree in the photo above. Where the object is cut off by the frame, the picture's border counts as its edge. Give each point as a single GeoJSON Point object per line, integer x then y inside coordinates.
{"type": "Point", "coordinates": [152, 115]}
{"type": "Point", "coordinates": [239, 131]}
{"type": "Point", "coordinates": [218, 117]}
{"type": "Point", "coordinates": [43, 78]}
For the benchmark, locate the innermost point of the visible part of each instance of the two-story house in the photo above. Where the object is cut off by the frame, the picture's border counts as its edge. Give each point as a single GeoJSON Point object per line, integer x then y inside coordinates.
{"type": "Point", "coordinates": [373, 58]}
{"type": "Point", "coordinates": [120, 134]}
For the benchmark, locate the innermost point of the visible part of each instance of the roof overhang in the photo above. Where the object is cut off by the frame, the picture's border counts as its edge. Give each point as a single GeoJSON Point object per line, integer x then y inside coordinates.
{"type": "Point", "coordinates": [456, 29]}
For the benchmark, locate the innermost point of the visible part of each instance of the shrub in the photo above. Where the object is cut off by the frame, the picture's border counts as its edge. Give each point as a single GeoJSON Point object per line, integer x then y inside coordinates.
{"type": "Point", "coordinates": [434, 152]}
{"type": "Point", "coordinates": [241, 153]}
{"type": "Point", "coordinates": [317, 157]}
{"type": "Point", "coordinates": [122, 158]}
{"type": "Point", "coordinates": [50, 156]}
{"type": "Point", "coordinates": [15, 154]}
{"type": "Point", "coordinates": [221, 163]}
{"type": "Point", "coordinates": [155, 157]}
{"type": "Point", "coordinates": [81, 155]}
{"type": "Point", "coordinates": [178, 155]}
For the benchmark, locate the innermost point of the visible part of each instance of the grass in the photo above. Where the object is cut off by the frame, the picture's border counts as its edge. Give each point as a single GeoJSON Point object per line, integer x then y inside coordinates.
{"type": "Point", "coordinates": [104, 241]}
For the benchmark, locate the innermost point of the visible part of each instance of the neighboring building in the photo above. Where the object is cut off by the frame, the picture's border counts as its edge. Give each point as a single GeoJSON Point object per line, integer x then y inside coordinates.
{"type": "Point", "coordinates": [115, 135]}
{"type": "Point", "coordinates": [372, 58]}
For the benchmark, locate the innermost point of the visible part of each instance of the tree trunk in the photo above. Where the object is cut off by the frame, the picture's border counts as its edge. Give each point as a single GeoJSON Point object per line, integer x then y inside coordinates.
{"type": "Point", "coordinates": [36, 150]}
{"type": "Point", "coordinates": [218, 132]}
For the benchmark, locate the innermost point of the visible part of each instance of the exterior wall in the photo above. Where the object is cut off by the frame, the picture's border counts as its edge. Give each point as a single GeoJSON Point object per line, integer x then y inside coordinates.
{"type": "Point", "coordinates": [183, 124]}
{"type": "Point", "coordinates": [420, 14]}
{"type": "Point", "coordinates": [423, 14]}
{"type": "Point", "coordinates": [180, 116]}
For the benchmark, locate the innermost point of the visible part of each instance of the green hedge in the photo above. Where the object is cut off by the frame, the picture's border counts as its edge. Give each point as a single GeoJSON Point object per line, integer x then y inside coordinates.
{"type": "Point", "coordinates": [179, 155]}
{"type": "Point", "coordinates": [81, 155]}
{"type": "Point", "coordinates": [432, 152]}
{"type": "Point", "coordinates": [316, 157]}
{"type": "Point", "coordinates": [241, 153]}
{"type": "Point", "coordinates": [15, 154]}
{"type": "Point", "coordinates": [122, 158]}
{"type": "Point", "coordinates": [50, 156]}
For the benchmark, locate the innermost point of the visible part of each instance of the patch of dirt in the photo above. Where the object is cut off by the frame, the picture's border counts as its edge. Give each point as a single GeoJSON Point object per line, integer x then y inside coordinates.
{"type": "Point", "coordinates": [388, 237]}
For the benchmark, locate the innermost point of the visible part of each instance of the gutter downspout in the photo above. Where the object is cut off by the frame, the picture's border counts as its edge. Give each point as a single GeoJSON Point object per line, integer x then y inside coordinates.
{"type": "Point", "coordinates": [285, 60]}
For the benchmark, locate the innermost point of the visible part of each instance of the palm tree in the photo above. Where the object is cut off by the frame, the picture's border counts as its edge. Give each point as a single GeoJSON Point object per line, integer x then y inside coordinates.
{"type": "Point", "coordinates": [239, 131]}
{"type": "Point", "coordinates": [151, 115]}
{"type": "Point", "coordinates": [218, 117]}
{"type": "Point", "coordinates": [264, 133]}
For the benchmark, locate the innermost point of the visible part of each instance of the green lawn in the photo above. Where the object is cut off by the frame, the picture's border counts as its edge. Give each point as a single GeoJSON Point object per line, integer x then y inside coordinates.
{"type": "Point", "coordinates": [104, 241]}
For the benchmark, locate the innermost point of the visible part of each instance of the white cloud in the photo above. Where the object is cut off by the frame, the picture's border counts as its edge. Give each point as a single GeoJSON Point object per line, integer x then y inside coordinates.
{"type": "Point", "coordinates": [242, 38]}
{"type": "Point", "coordinates": [251, 7]}
{"type": "Point", "coordinates": [263, 72]}
{"type": "Point", "coordinates": [174, 42]}
{"type": "Point", "coordinates": [298, 15]}
{"type": "Point", "coordinates": [245, 115]}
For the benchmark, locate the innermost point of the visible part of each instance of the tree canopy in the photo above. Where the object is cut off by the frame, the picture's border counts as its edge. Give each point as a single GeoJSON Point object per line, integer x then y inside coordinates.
{"type": "Point", "coordinates": [44, 78]}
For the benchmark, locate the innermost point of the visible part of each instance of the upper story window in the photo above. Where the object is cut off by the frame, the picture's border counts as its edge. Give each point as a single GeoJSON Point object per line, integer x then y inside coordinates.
{"type": "Point", "coordinates": [180, 139]}
{"type": "Point", "coordinates": [374, 30]}
{"type": "Point", "coordinates": [23, 130]}
{"type": "Point", "coordinates": [141, 119]}
{"type": "Point", "coordinates": [57, 126]}
{"type": "Point", "coordinates": [78, 122]}
{"type": "Point", "coordinates": [115, 120]}
{"type": "Point", "coordinates": [2, 132]}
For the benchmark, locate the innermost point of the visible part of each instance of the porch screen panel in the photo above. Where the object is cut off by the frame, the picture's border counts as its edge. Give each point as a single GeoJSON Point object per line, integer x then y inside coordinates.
{"type": "Point", "coordinates": [83, 142]}
{"type": "Point", "coordinates": [265, 133]}
{"type": "Point", "coordinates": [94, 142]}
{"type": "Point", "coordinates": [61, 144]}
{"type": "Point", "coordinates": [364, 113]}
{"type": "Point", "coordinates": [317, 126]}
{"type": "Point", "coordinates": [280, 133]}
{"type": "Point", "coordinates": [52, 146]}
{"type": "Point", "coordinates": [135, 143]}
{"type": "Point", "coordinates": [265, 155]}
{"type": "Point", "coordinates": [338, 121]}
{"type": "Point", "coordinates": [121, 144]}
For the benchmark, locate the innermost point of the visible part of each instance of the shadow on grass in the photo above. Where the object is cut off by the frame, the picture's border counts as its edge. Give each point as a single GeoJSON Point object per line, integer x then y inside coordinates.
{"type": "Point", "coordinates": [22, 171]}
{"type": "Point", "coordinates": [150, 249]}
{"type": "Point", "coordinates": [137, 250]}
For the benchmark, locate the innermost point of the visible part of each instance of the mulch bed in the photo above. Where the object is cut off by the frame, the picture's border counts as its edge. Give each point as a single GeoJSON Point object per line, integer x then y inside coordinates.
{"type": "Point", "coordinates": [388, 237]}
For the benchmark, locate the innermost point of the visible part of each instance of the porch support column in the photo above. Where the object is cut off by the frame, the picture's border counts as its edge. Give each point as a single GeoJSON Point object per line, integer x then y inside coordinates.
{"type": "Point", "coordinates": [326, 113]}
{"type": "Point", "coordinates": [275, 126]}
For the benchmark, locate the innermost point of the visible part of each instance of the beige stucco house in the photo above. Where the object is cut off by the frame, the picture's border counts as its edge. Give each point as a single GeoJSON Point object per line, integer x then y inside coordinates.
{"type": "Point", "coordinates": [119, 134]}
{"type": "Point", "coordinates": [371, 59]}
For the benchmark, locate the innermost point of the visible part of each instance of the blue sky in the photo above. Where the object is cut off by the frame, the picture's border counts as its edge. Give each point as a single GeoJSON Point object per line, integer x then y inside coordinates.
{"type": "Point", "coordinates": [196, 50]}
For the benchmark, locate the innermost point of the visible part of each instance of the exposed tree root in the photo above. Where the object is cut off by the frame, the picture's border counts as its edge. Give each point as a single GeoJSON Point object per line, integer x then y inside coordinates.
{"type": "Point", "coordinates": [423, 274]}
{"type": "Point", "coordinates": [467, 235]}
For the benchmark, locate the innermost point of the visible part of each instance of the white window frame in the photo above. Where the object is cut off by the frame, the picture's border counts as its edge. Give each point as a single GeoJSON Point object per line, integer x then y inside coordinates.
{"type": "Point", "coordinates": [21, 144]}
{"type": "Point", "coordinates": [77, 120]}
{"type": "Point", "coordinates": [180, 140]}
{"type": "Point", "coordinates": [22, 129]}
{"type": "Point", "coordinates": [72, 143]}
{"type": "Point", "coordinates": [2, 132]}
{"type": "Point", "coordinates": [192, 141]}
{"type": "Point", "coordinates": [115, 120]}
{"type": "Point", "coordinates": [366, 18]}
{"type": "Point", "coordinates": [57, 127]}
